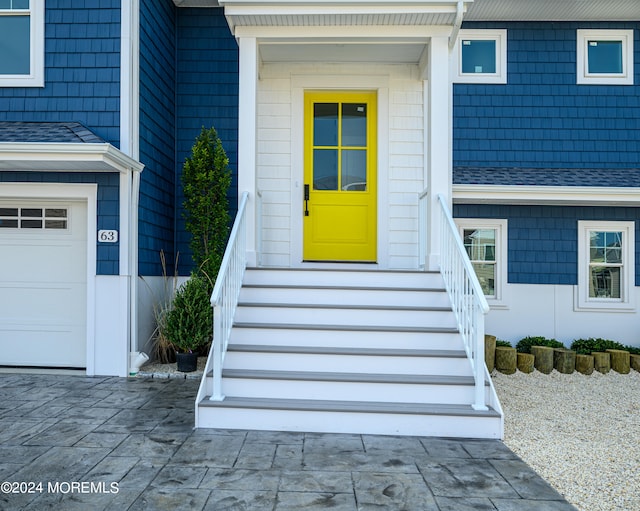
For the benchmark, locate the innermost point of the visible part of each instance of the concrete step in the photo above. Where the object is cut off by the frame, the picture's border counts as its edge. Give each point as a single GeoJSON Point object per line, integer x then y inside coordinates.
{"type": "Point", "coordinates": [435, 389]}
{"type": "Point", "coordinates": [331, 416]}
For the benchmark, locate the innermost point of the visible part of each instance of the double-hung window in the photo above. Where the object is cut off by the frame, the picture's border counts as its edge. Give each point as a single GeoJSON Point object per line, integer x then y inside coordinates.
{"type": "Point", "coordinates": [21, 43]}
{"type": "Point", "coordinates": [480, 56]}
{"type": "Point", "coordinates": [606, 265]}
{"type": "Point", "coordinates": [605, 57]}
{"type": "Point", "coordinates": [485, 241]}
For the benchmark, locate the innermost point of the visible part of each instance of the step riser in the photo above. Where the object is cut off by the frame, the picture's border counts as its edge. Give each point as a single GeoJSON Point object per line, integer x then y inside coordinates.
{"type": "Point", "coordinates": [349, 317]}
{"type": "Point", "coordinates": [345, 338]}
{"type": "Point", "coordinates": [348, 279]}
{"type": "Point", "coordinates": [351, 423]}
{"type": "Point", "coordinates": [348, 391]}
{"type": "Point", "coordinates": [357, 297]}
{"type": "Point", "coordinates": [343, 363]}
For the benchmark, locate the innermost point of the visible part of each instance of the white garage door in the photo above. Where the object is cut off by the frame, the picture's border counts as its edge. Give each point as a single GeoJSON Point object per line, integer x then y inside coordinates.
{"type": "Point", "coordinates": [43, 283]}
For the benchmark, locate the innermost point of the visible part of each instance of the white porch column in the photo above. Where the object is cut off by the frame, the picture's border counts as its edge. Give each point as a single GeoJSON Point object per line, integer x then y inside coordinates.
{"type": "Point", "coordinates": [247, 134]}
{"type": "Point", "coordinates": [438, 123]}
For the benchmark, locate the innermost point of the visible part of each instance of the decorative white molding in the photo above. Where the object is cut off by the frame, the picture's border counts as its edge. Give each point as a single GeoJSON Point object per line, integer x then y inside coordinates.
{"type": "Point", "coordinates": [549, 195]}
{"type": "Point", "coordinates": [68, 157]}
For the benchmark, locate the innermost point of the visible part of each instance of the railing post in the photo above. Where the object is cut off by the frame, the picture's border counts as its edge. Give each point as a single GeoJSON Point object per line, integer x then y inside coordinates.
{"type": "Point", "coordinates": [478, 363]}
{"type": "Point", "coordinates": [218, 314]}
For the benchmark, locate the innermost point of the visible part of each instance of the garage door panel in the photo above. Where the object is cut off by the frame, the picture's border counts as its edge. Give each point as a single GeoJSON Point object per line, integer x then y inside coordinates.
{"type": "Point", "coordinates": [58, 302]}
{"type": "Point", "coordinates": [46, 345]}
{"type": "Point", "coordinates": [62, 264]}
{"type": "Point", "coordinates": [43, 290]}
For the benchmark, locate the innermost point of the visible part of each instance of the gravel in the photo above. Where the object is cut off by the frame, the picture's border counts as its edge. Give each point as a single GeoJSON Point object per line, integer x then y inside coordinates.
{"type": "Point", "coordinates": [581, 433]}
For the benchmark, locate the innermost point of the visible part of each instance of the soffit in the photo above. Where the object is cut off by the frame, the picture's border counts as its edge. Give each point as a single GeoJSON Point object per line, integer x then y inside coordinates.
{"type": "Point", "coordinates": [554, 10]}
{"type": "Point", "coordinates": [308, 13]}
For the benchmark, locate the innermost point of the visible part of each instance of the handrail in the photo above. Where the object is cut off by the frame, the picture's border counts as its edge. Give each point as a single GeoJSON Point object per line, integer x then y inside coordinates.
{"type": "Point", "coordinates": [224, 300]}
{"type": "Point", "coordinates": [467, 298]}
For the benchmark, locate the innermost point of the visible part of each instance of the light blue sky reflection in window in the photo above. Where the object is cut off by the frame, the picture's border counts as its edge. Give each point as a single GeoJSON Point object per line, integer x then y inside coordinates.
{"type": "Point", "coordinates": [14, 4]}
{"type": "Point", "coordinates": [478, 56]}
{"type": "Point", "coordinates": [605, 57]}
{"type": "Point", "coordinates": [325, 124]}
{"type": "Point", "coordinates": [14, 45]}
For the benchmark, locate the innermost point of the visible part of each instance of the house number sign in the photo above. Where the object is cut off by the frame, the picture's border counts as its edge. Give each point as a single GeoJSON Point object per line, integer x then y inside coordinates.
{"type": "Point", "coordinates": [108, 236]}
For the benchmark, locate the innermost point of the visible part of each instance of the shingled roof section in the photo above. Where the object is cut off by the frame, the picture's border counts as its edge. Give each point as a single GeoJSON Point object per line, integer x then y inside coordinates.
{"type": "Point", "coordinates": [607, 178]}
{"type": "Point", "coordinates": [52, 132]}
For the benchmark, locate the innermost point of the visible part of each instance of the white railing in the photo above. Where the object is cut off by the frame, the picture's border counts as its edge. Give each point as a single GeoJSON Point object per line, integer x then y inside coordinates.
{"type": "Point", "coordinates": [423, 219]}
{"type": "Point", "coordinates": [467, 298]}
{"type": "Point", "coordinates": [224, 301]}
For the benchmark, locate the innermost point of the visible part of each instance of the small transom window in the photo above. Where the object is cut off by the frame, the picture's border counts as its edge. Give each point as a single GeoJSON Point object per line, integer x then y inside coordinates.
{"type": "Point", "coordinates": [33, 218]}
{"type": "Point", "coordinates": [605, 57]}
{"type": "Point", "coordinates": [480, 56]}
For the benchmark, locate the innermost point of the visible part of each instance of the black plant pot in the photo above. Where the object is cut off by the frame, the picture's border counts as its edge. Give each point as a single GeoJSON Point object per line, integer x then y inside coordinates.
{"type": "Point", "coordinates": [187, 362]}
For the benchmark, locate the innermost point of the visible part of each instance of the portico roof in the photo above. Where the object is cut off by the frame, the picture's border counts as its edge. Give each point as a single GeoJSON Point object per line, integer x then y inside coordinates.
{"type": "Point", "coordinates": [488, 10]}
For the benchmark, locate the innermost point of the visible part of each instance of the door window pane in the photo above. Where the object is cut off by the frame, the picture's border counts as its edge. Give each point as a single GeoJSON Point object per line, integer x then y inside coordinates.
{"type": "Point", "coordinates": [354, 170]}
{"type": "Point", "coordinates": [478, 56]}
{"type": "Point", "coordinates": [605, 57]}
{"type": "Point", "coordinates": [14, 45]}
{"type": "Point", "coordinates": [325, 169]}
{"type": "Point", "coordinates": [354, 125]}
{"type": "Point", "coordinates": [325, 124]}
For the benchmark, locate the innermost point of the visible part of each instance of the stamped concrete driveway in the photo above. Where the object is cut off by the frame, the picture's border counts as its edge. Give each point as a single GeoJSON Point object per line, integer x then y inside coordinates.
{"type": "Point", "coordinates": [80, 443]}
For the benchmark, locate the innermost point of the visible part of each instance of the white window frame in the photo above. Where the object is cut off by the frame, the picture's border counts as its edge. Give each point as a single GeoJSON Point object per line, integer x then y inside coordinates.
{"type": "Point", "coordinates": [582, 300]}
{"type": "Point", "coordinates": [500, 226]}
{"type": "Point", "coordinates": [497, 35]}
{"type": "Point", "coordinates": [582, 57]}
{"type": "Point", "coordinates": [36, 45]}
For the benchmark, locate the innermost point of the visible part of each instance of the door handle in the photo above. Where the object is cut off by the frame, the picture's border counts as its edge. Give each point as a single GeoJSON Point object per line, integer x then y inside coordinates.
{"type": "Point", "coordinates": [306, 200]}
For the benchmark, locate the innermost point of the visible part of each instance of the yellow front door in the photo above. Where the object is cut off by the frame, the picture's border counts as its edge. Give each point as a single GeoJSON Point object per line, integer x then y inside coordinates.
{"type": "Point", "coordinates": [340, 192]}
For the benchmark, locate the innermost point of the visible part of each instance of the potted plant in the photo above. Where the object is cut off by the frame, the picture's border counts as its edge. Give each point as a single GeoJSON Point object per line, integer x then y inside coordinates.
{"type": "Point", "coordinates": [189, 322]}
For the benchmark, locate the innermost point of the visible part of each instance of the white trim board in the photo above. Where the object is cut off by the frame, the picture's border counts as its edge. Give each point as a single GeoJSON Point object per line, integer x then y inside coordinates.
{"type": "Point", "coordinates": [547, 195]}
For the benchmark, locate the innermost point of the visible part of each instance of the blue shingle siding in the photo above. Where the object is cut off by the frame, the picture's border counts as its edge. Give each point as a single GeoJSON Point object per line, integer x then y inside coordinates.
{"type": "Point", "coordinates": [543, 240]}
{"type": "Point", "coordinates": [157, 134]}
{"type": "Point", "coordinates": [541, 118]}
{"type": "Point", "coordinates": [207, 96]}
{"type": "Point", "coordinates": [82, 70]}
{"type": "Point", "coordinates": [107, 259]}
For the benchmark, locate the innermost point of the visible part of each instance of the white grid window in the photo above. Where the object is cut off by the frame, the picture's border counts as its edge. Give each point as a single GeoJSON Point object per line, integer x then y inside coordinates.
{"type": "Point", "coordinates": [606, 265]}
{"type": "Point", "coordinates": [485, 241]}
{"type": "Point", "coordinates": [22, 43]}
